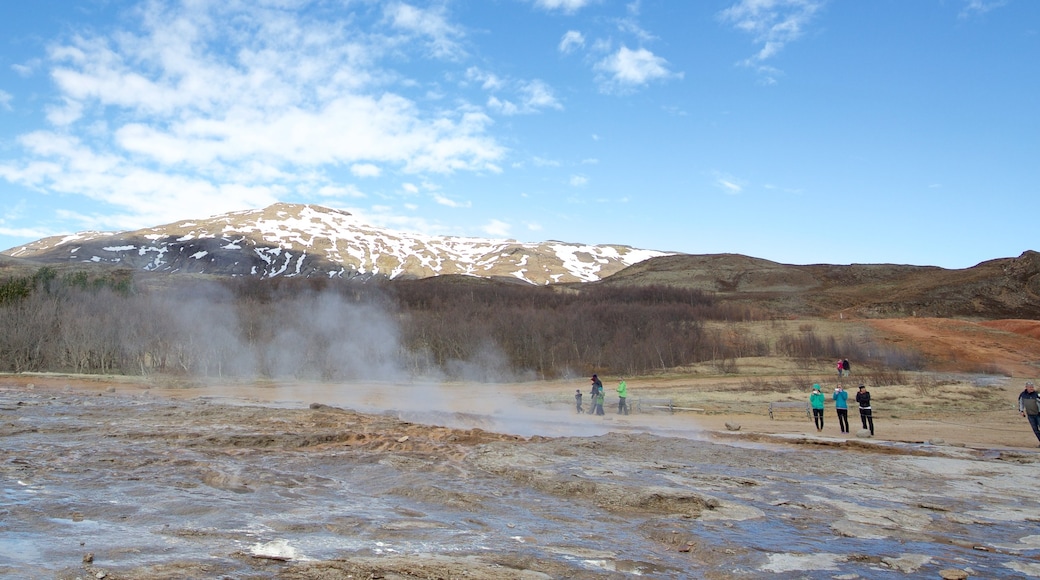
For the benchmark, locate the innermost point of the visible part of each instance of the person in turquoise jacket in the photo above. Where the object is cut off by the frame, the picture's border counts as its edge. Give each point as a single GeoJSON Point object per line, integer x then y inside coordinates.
{"type": "Point", "coordinates": [816, 399]}
{"type": "Point", "coordinates": [841, 404]}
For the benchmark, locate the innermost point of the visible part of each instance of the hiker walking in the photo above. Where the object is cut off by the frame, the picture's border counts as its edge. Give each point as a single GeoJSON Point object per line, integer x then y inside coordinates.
{"type": "Point", "coordinates": [577, 401]}
{"type": "Point", "coordinates": [841, 405]}
{"type": "Point", "coordinates": [597, 386]}
{"type": "Point", "coordinates": [622, 393]}
{"type": "Point", "coordinates": [845, 367]}
{"type": "Point", "coordinates": [598, 401]}
{"type": "Point", "coordinates": [863, 398]}
{"type": "Point", "coordinates": [816, 400]}
{"type": "Point", "coordinates": [841, 368]}
{"type": "Point", "coordinates": [1029, 407]}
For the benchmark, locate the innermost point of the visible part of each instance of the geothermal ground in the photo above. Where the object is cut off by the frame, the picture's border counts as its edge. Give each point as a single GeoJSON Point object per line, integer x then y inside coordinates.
{"type": "Point", "coordinates": [117, 480]}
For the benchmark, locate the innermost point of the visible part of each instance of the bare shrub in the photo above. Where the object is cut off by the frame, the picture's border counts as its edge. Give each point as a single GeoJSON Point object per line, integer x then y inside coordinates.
{"type": "Point", "coordinates": [884, 377]}
{"type": "Point", "coordinates": [764, 385]}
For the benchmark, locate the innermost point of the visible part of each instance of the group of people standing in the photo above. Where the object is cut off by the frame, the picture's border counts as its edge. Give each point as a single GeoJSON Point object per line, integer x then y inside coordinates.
{"type": "Point", "coordinates": [598, 397]}
{"type": "Point", "coordinates": [841, 405]}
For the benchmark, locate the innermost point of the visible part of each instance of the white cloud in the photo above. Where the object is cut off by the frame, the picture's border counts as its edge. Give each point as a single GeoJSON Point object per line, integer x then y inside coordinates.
{"type": "Point", "coordinates": [25, 70]}
{"type": "Point", "coordinates": [529, 96]}
{"type": "Point", "coordinates": [340, 191]}
{"type": "Point", "coordinates": [578, 181]}
{"type": "Point", "coordinates": [5, 100]}
{"type": "Point", "coordinates": [432, 24]}
{"type": "Point", "coordinates": [728, 183]}
{"type": "Point", "coordinates": [206, 107]}
{"type": "Point", "coordinates": [538, 95]}
{"type": "Point", "coordinates": [628, 68]}
{"type": "Point", "coordinates": [533, 96]}
{"type": "Point", "coordinates": [772, 23]}
{"type": "Point", "coordinates": [448, 202]}
{"type": "Point", "coordinates": [979, 7]}
{"type": "Point", "coordinates": [488, 81]}
{"type": "Point", "coordinates": [565, 6]}
{"type": "Point", "coordinates": [496, 228]}
{"type": "Point", "coordinates": [571, 40]}
{"type": "Point", "coordinates": [410, 188]}
{"type": "Point", "coordinates": [365, 170]}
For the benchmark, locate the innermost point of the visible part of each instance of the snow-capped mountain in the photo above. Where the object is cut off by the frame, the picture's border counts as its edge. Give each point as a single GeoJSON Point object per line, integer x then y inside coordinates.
{"type": "Point", "coordinates": [309, 240]}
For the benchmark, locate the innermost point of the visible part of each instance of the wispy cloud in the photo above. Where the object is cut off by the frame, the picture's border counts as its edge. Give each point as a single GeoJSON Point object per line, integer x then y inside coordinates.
{"type": "Point", "coordinates": [448, 202]}
{"type": "Point", "coordinates": [496, 228]}
{"type": "Point", "coordinates": [365, 170]}
{"type": "Point", "coordinates": [572, 39]}
{"type": "Point", "coordinates": [340, 191]}
{"type": "Point", "coordinates": [525, 96]}
{"type": "Point", "coordinates": [578, 181]}
{"type": "Point", "coordinates": [772, 23]}
{"type": "Point", "coordinates": [978, 7]}
{"type": "Point", "coordinates": [627, 68]}
{"type": "Point", "coordinates": [728, 183]}
{"type": "Point", "coordinates": [173, 116]}
{"type": "Point", "coordinates": [5, 100]}
{"type": "Point", "coordinates": [431, 25]}
{"type": "Point", "coordinates": [565, 6]}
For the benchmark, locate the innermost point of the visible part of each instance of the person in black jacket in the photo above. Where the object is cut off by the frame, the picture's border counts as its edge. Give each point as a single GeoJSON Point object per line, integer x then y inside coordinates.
{"type": "Point", "coordinates": [1029, 406]}
{"type": "Point", "coordinates": [863, 398]}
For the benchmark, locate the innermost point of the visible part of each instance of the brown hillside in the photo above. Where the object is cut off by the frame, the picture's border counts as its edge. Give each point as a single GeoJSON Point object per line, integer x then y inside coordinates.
{"type": "Point", "coordinates": [996, 289]}
{"type": "Point", "coordinates": [1009, 347]}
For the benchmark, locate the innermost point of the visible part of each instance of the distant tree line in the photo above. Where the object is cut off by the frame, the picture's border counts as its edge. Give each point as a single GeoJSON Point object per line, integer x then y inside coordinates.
{"type": "Point", "coordinates": [452, 327]}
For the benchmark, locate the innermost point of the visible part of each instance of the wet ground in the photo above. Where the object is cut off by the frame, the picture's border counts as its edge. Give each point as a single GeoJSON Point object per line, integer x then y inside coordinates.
{"type": "Point", "coordinates": [139, 485]}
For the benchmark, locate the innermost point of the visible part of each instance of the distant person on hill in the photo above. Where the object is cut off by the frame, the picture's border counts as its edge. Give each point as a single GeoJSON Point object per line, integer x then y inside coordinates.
{"type": "Point", "coordinates": [841, 368]}
{"type": "Point", "coordinates": [863, 398]}
{"type": "Point", "coordinates": [622, 393]}
{"type": "Point", "coordinates": [1029, 406]}
{"type": "Point", "coordinates": [599, 400]}
{"type": "Point", "coordinates": [845, 367]}
{"type": "Point", "coordinates": [577, 401]}
{"type": "Point", "coordinates": [841, 404]}
{"type": "Point", "coordinates": [816, 399]}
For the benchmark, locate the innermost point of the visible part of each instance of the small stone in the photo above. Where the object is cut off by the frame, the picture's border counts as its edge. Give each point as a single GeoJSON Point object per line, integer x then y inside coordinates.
{"type": "Point", "coordinates": [88, 558]}
{"type": "Point", "coordinates": [732, 426]}
{"type": "Point", "coordinates": [936, 442]}
{"type": "Point", "coordinates": [863, 434]}
{"type": "Point", "coordinates": [952, 574]}
{"type": "Point", "coordinates": [402, 439]}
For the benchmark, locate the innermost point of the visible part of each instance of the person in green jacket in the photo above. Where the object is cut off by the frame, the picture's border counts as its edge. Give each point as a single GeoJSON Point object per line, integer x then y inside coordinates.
{"type": "Point", "coordinates": [816, 399]}
{"type": "Point", "coordinates": [622, 393]}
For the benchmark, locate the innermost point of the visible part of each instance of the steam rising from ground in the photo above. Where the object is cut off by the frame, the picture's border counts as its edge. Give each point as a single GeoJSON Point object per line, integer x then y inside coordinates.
{"type": "Point", "coordinates": [324, 347]}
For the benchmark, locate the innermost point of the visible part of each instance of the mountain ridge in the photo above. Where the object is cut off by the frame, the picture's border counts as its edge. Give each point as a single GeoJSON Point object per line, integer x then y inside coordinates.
{"type": "Point", "coordinates": [292, 240]}
{"type": "Point", "coordinates": [310, 240]}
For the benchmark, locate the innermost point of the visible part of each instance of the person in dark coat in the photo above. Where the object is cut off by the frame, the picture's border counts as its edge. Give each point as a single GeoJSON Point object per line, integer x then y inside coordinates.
{"type": "Point", "coordinates": [865, 415]}
{"type": "Point", "coordinates": [1029, 406]}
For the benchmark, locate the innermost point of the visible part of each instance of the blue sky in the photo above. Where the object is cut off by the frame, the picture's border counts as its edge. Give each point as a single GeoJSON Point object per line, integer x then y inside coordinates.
{"type": "Point", "coordinates": [800, 131]}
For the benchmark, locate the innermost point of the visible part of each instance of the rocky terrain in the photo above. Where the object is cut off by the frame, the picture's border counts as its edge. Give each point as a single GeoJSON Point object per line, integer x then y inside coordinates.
{"type": "Point", "coordinates": [111, 479]}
